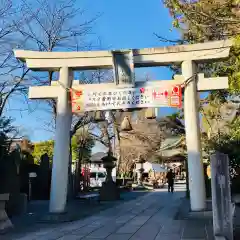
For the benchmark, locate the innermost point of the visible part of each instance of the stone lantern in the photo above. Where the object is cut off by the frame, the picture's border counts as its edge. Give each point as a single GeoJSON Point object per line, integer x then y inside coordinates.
{"type": "Point", "coordinates": [109, 163]}
{"type": "Point", "coordinates": [140, 170]}
{"type": "Point", "coordinates": [109, 190]}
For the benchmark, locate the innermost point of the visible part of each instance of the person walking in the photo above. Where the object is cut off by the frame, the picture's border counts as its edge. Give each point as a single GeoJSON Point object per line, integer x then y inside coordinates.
{"type": "Point", "coordinates": [170, 178]}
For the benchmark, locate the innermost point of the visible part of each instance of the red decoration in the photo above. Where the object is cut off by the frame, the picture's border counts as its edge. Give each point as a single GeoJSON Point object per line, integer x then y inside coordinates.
{"type": "Point", "coordinates": [154, 94]}
{"type": "Point", "coordinates": [160, 94]}
{"type": "Point", "coordinates": [76, 98]}
{"type": "Point", "coordinates": [78, 93]}
{"type": "Point", "coordinates": [175, 90]}
{"type": "Point", "coordinates": [142, 90]}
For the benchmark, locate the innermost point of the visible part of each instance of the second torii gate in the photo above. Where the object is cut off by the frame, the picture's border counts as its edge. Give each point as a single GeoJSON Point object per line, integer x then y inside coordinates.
{"type": "Point", "coordinates": [124, 62]}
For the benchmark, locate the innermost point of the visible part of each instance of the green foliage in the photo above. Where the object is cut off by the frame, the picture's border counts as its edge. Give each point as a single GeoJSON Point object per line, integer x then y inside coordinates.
{"type": "Point", "coordinates": [234, 68]}
{"type": "Point", "coordinates": [3, 147]}
{"type": "Point", "coordinates": [226, 144]}
{"type": "Point", "coordinates": [6, 130]}
{"type": "Point", "coordinates": [43, 147]}
{"type": "Point", "coordinates": [205, 20]}
{"type": "Point", "coordinates": [82, 144]}
{"type": "Point", "coordinates": [201, 21]}
{"type": "Point", "coordinates": [174, 123]}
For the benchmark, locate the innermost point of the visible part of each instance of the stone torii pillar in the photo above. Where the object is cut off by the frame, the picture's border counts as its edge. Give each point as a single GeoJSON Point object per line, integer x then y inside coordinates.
{"type": "Point", "coordinates": [59, 180]}
{"type": "Point", "coordinates": [193, 138]}
{"type": "Point", "coordinates": [66, 62]}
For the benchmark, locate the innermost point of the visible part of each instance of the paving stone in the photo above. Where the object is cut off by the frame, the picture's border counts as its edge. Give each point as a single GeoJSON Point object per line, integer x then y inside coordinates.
{"type": "Point", "coordinates": [72, 226]}
{"type": "Point", "coordinates": [96, 224]}
{"type": "Point", "coordinates": [51, 236]}
{"type": "Point", "coordinates": [28, 237]}
{"type": "Point", "coordinates": [70, 237]}
{"type": "Point", "coordinates": [209, 231]}
{"type": "Point", "coordinates": [84, 231]}
{"type": "Point", "coordinates": [44, 232]}
{"type": "Point", "coordinates": [136, 211]}
{"type": "Point", "coordinates": [139, 220]}
{"type": "Point", "coordinates": [119, 237]}
{"type": "Point", "coordinates": [197, 239]}
{"type": "Point", "coordinates": [194, 232]}
{"type": "Point", "coordinates": [124, 218]}
{"type": "Point", "coordinates": [151, 211]}
{"type": "Point", "coordinates": [148, 231]}
{"type": "Point", "coordinates": [104, 232]}
{"type": "Point", "coordinates": [128, 228]}
{"type": "Point", "coordinates": [88, 238]}
{"type": "Point", "coordinates": [148, 218]}
{"type": "Point", "coordinates": [172, 227]}
{"type": "Point", "coordinates": [168, 237]}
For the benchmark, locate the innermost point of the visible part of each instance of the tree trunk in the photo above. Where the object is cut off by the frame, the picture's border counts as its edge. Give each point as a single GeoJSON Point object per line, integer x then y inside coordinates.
{"type": "Point", "coordinates": [117, 151]}
{"type": "Point", "coordinates": [117, 143]}
{"type": "Point", "coordinates": [77, 174]}
{"type": "Point", "coordinates": [77, 178]}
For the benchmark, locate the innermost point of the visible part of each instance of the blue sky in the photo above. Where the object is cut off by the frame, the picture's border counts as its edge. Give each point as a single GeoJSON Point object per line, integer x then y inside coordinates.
{"type": "Point", "coordinates": [123, 24]}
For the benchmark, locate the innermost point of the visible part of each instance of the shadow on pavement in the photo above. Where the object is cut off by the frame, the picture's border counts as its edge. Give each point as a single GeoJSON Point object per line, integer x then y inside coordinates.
{"type": "Point", "coordinates": [79, 209]}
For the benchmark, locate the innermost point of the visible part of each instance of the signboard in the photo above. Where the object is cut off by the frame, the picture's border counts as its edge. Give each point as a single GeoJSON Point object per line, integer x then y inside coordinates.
{"type": "Point", "coordinates": [125, 98]}
{"type": "Point", "coordinates": [123, 67]}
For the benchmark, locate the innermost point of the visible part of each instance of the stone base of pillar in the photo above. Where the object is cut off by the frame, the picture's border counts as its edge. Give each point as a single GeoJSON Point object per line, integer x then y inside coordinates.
{"type": "Point", "coordinates": [109, 192]}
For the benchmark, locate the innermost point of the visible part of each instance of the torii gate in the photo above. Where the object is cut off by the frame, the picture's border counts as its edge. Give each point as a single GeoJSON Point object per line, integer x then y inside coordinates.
{"type": "Point", "coordinates": [125, 61]}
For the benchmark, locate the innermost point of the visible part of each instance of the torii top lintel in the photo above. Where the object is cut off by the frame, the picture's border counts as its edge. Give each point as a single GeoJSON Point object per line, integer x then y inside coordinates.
{"type": "Point", "coordinates": [145, 57]}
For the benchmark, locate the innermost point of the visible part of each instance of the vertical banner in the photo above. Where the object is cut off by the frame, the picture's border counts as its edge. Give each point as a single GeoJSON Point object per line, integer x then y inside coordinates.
{"type": "Point", "coordinates": [175, 96]}
{"type": "Point", "coordinates": [77, 100]}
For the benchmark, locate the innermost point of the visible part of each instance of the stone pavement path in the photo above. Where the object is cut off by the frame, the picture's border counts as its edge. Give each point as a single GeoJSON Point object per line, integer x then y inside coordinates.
{"type": "Point", "coordinates": [150, 217]}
